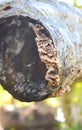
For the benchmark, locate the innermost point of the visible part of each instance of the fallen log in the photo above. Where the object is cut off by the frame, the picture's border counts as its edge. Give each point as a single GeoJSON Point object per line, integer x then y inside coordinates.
{"type": "Point", "coordinates": [40, 48]}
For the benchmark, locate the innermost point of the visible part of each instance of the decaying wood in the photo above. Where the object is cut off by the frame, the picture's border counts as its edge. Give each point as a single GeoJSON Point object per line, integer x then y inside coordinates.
{"type": "Point", "coordinates": [48, 55]}
{"type": "Point", "coordinates": [40, 48]}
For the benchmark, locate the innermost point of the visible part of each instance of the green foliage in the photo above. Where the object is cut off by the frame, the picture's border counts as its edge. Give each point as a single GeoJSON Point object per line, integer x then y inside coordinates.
{"type": "Point", "coordinates": [77, 93]}
{"type": "Point", "coordinates": [5, 97]}
{"type": "Point", "coordinates": [12, 129]}
{"type": "Point", "coordinates": [76, 4]}
{"type": "Point", "coordinates": [54, 102]}
{"type": "Point", "coordinates": [76, 127]}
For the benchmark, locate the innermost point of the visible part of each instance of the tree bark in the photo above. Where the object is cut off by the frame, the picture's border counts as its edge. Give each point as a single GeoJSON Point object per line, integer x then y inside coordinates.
{"type": "Point", "coordinates": [40, 48]}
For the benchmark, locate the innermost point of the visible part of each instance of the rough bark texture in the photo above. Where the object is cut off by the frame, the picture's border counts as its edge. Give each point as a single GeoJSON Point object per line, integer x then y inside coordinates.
{"type": "Point", "coordinates": [40, 48]}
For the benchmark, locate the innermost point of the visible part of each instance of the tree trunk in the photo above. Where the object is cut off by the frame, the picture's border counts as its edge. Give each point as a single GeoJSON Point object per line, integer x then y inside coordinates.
{"type": "Point", "coordinates": [40, 48]}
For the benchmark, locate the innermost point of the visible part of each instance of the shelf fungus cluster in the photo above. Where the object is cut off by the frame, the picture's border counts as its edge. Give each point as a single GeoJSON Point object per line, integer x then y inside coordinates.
{"type": "Point", "coordinates": [40, 48]}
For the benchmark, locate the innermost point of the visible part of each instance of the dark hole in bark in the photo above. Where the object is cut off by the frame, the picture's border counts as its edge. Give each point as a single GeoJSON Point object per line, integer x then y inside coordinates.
{"type": "Point", "coordinates": [16, 32]}
{"type": "Point", "coordinates": [7, 8]}
{"type": "Point", "coordinates": [21, 61]}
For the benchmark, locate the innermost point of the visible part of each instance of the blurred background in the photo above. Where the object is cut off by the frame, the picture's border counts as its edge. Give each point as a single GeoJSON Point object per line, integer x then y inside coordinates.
{"type": "Point", "coordinates": [64, 113]}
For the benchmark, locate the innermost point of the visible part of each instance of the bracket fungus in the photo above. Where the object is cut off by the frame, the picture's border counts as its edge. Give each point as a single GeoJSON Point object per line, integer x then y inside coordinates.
{"type": "Point", "coordinates": [40, 48]}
